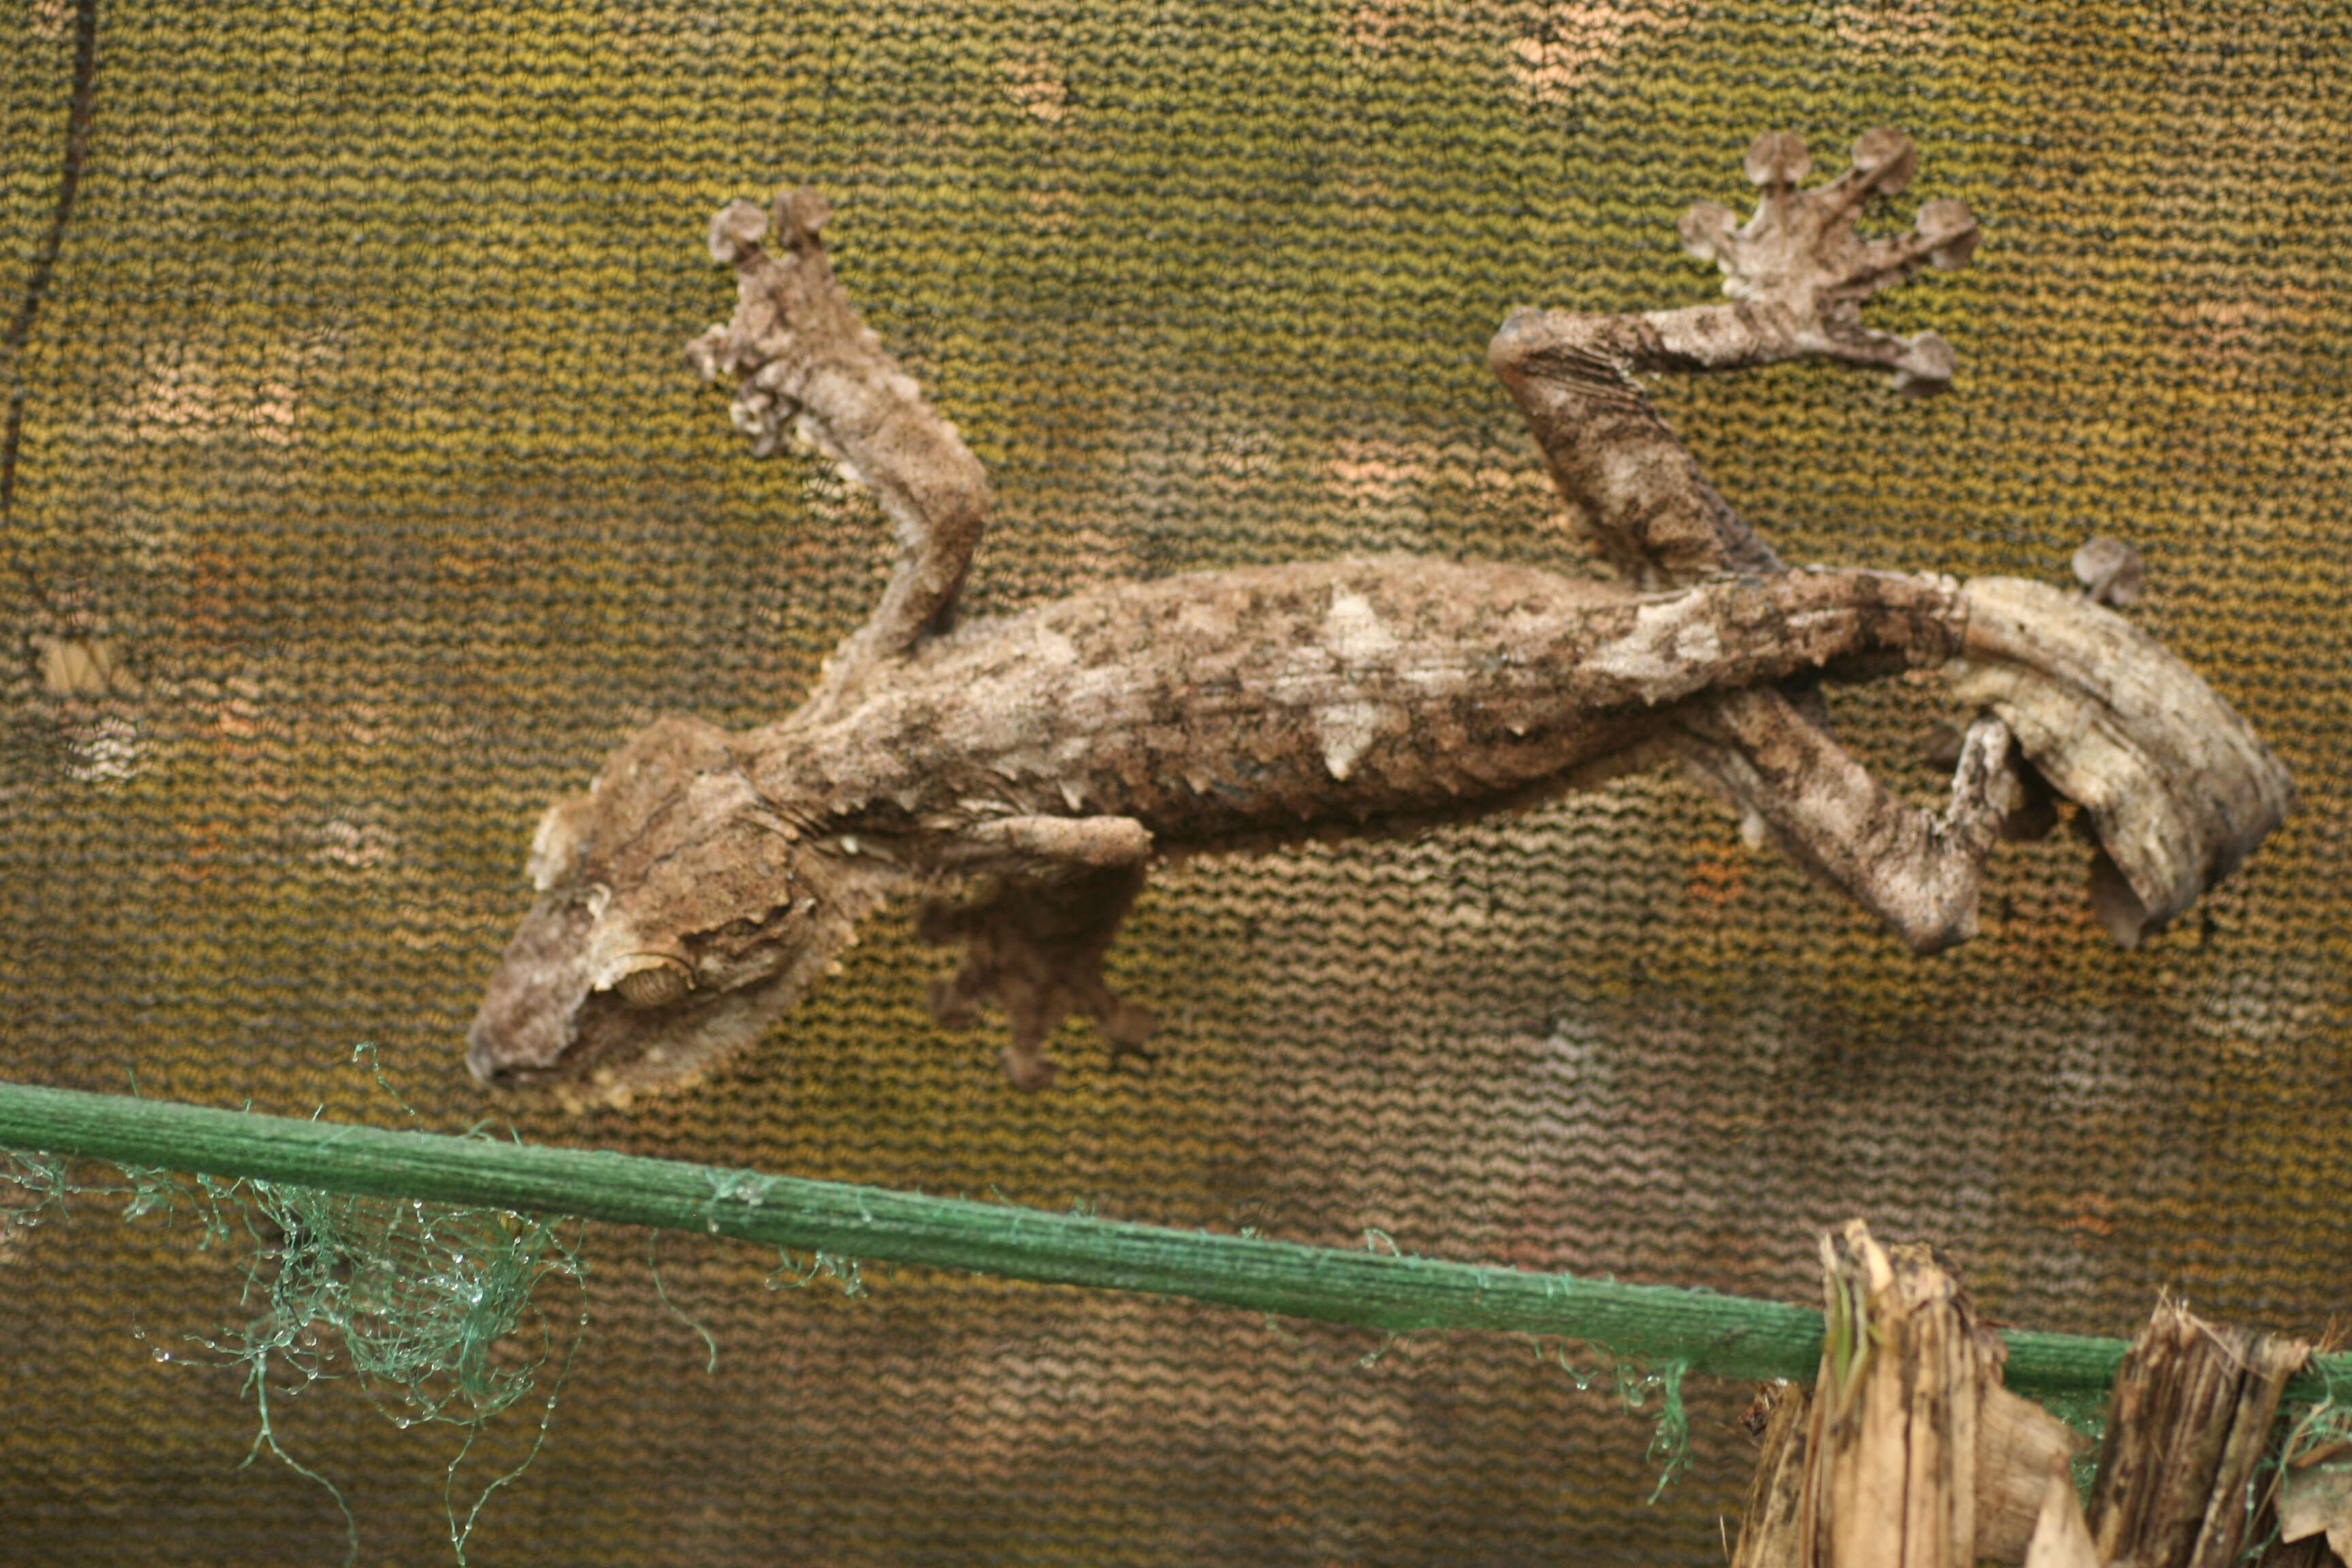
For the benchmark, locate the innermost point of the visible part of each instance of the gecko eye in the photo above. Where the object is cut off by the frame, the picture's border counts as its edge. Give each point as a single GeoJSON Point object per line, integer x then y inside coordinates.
{"type": "Point", "coordinates": [659, 984]}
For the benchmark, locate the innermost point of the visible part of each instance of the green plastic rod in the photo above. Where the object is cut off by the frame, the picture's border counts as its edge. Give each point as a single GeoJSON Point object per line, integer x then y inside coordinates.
{"type": "Point", "coordinates": [1721, 1336]}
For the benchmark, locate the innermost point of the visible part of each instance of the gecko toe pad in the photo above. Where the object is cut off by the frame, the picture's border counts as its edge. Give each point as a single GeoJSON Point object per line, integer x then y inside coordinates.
{"type": "Point", "coordinates": [1799, 251]}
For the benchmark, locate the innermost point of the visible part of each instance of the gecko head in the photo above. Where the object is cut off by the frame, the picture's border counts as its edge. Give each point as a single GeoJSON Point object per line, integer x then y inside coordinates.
{"type": "Point", "coordinates": [679, 913]}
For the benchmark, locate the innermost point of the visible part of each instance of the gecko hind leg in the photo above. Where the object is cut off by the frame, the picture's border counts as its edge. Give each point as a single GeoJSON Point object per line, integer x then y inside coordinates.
{"type": "Point", "coordinates": [1917, 871]}
{"type": "Point", "coordinates": [1035, 945]}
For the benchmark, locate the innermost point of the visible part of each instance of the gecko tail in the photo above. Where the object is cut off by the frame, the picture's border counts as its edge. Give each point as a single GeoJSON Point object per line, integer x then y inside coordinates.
{"type": "Point", "coordinates": [2178, 788]}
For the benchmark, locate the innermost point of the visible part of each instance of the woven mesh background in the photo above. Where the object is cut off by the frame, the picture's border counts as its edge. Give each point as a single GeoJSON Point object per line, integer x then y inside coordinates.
{"type": "Point", "coordinates": [354, 425]}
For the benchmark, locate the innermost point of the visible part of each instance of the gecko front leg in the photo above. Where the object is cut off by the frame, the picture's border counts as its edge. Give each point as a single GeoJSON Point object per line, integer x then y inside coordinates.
{"type": "Point", "coordinates": [1034, 939]}
{"type": "Point", "coordinates": [807, 367]}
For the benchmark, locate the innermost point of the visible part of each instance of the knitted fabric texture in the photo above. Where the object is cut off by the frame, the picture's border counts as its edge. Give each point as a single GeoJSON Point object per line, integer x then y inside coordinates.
{"type": "Point", "coordinates": [357, 502]}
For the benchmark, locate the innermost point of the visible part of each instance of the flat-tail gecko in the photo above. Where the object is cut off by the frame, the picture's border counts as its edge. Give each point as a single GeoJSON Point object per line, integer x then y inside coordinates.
{"type": "Point", "coordinates": [708, 877]}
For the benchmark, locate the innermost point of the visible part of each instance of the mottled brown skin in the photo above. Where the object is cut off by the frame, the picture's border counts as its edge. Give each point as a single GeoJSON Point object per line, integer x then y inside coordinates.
{"type": "Point", "coordinates": [1218, 705]}
{"type": "Point", "coordinates": [706, 879]}
{"type": "Point", "coordinates": [1190, 713]}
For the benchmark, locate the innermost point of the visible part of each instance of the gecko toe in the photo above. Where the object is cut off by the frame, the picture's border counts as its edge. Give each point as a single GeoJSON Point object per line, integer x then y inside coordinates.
{"type": "Point", "coordinates": [1799, 251]}
{"type": "Point", "coordinates": [1035, 947]}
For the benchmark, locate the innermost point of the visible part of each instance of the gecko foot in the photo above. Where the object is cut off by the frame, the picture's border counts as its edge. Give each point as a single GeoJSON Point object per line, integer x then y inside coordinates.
{"type": "Point", "coordinates": [1800, 254]}
{"type": "Point", "coordinates": [1036, 946]}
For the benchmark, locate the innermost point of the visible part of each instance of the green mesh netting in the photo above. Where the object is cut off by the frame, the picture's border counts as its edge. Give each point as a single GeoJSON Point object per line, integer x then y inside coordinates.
{"type": "Point", "coordinates": [358, 503]}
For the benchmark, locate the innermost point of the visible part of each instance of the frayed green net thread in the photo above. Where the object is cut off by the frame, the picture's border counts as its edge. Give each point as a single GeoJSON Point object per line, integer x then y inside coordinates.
{"type": "Point", "coordinates": [432, 1309]}
{"type": "Point", "coordinates": [2317, 1435]}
